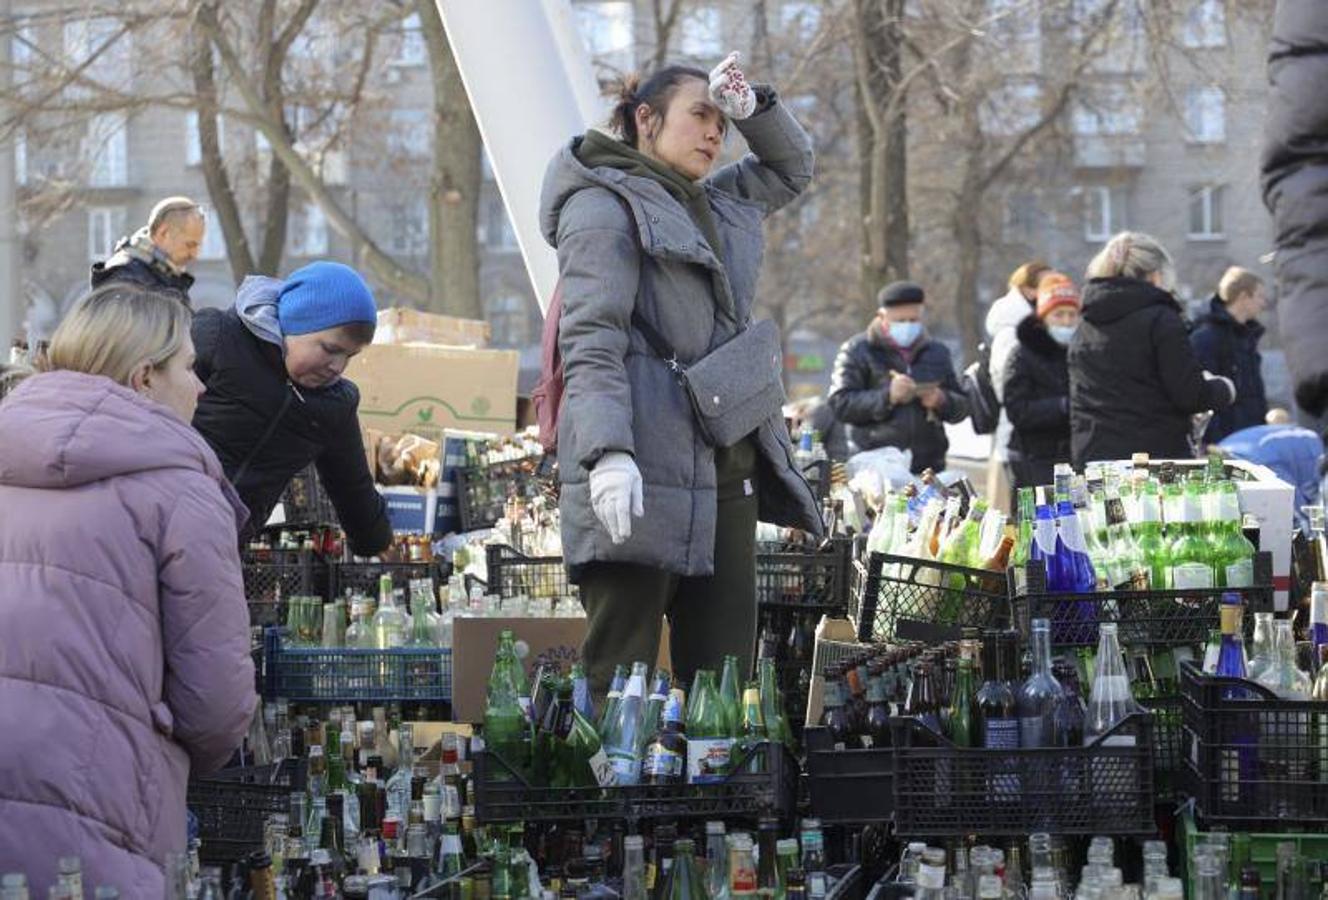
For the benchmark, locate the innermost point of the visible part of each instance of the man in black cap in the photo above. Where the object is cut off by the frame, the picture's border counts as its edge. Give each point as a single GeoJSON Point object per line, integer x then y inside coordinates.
{"type": "Point", "coordinates": [894, 386]}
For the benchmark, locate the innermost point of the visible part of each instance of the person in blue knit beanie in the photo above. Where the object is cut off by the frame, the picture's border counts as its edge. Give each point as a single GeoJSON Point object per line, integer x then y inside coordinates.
{"type": "Point", "coordinates": [277, 401]}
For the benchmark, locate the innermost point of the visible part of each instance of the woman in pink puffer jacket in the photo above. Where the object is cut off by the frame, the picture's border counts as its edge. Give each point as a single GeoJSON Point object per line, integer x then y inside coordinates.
{"type": "Point", "coordinates": [124, 635]}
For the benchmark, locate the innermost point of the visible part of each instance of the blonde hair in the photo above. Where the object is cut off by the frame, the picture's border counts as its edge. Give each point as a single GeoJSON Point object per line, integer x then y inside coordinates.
{"type": "Point", "coordinates": [1133, 254]}
{"type": "Point", "coordinates": [1029, 274]}
{"type": "Point", "coordinates": [1237, 282]}
{"type": "Point", "coordinates": [115, 329]}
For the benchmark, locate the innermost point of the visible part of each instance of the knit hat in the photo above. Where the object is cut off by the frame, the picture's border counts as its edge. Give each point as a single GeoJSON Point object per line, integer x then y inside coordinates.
{"type": "Point", "coordinates": [898, 293]}
{"type": "Point", "coordinates": [1055, 290]}
{"type": "Point", "coordinates": [324, 295]}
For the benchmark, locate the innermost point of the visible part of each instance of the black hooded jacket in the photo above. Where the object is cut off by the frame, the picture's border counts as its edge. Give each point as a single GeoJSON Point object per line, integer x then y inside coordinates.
{"type": "Point", "coordinates": [264, 430]}
{"type": "Point", "coordinates": [1037, 400]}
{"type": "Point", "coordinates": [1134, 380]}
{"type": "Point", "coordinates": [125, 265]}
{"type": "Point", "coordinates": [1227, 347]}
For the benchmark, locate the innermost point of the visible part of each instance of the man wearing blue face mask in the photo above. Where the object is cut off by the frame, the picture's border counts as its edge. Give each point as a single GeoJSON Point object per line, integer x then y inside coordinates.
{"type": "Point", "coordinates": [894, 386]}
{"type": "Point", "coordinates": [1037, 383]}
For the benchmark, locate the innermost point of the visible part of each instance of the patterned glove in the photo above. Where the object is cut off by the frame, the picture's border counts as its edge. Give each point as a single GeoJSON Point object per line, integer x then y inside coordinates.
{"type": "Point", "coordinates": [730, 90]}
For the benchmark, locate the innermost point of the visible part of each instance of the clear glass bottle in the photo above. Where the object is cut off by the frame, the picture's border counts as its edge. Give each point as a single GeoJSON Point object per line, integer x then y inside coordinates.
{"type": "Point", "coordinates": [1037, 697]}
{"type": "Point", "coordinates": [389, 625]}
{"type": "Point", "coordinates": [634, 868]}
{"type": "Point", "coordinates": [71, 875]}
{"type": "Point", "coordinates": [813, 858]}
{"type": "Point", "coordinates": [1110, 700]}
{"type": "Point", "coordinates": [1263, 656]}
{"type": "Point", "coordinates": [398, 786]}
{"type": "Point", "coordinates": [622, 741]}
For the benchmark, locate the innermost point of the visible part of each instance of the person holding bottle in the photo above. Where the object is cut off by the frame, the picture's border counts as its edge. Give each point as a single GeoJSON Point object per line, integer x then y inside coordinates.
{"type": "Point", "coordinates": [124, 635]}
{"type": "Point", "coordinates": [1037, 383]}
{"type": "Point", "coordinates": [656, 520]}
{"type": "Point", "coordinates": [1134, 379]}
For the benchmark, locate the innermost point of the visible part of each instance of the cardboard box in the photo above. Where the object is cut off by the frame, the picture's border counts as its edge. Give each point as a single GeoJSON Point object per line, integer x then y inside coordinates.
{"type": "Point", "coordinates": [425, 388]}
{"type": "Point", "coordinates": [541, 641]}
{"type": "Point", "coordinates": [402, 325]}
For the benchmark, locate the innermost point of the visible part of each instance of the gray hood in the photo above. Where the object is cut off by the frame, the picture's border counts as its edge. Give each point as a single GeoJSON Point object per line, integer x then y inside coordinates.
{"type": "Point", "coordinates": [566, 175]}
{"type": "Point", "coordinates": [256, 304]}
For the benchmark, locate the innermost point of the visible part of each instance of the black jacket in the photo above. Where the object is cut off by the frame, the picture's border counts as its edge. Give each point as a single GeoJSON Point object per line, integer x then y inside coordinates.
{"type": "Point", "coordinates": [265, 430]}
{"type": "Point", "coordinates": [1134, 380]}
{"type": "Point", "coordinates": [1227, 347]}
{"type": "Point", "coordinates": [1037, 400]}
{"type": "Point", "coordinates": [859, 395]}
{"type": "Point", "coordinates": [123, 266]}
{"type": "Point", "coordinates": [1295, 189]}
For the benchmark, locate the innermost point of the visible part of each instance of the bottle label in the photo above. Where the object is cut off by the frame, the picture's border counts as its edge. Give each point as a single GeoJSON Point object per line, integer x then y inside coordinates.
{"type": "Point", "coordinates": [451, 802]}
{"type": "Point", "coordinates": [626, 769]}
{"type": "Point", "coordinates": [1033, 731]}
{"type": "Point", "coordinates": [742, 880]}
{"type": "Point", "coordinates": [1002, 734]}
{"type": "Point", "coordinates": [708, 759]}
{"type": "Point", "coordinates": [433, 807]}
{"type": "Point", "coordinates": [1240, 574]}
{"type": "Point", "coordinates": [1191, 576]}
{"type": "Point", "coordinates": [661, 762]}
{"type": "Point", "coordinates": [602, 769]}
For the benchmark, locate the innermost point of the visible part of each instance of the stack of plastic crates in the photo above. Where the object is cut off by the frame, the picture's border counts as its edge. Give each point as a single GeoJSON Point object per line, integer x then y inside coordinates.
{"type": "Point", "coordinates": [364, 577]}
{"type": "Point", "coordinates": [903, 598]}
{"type": "Point", "coordinates": [306, 674]}
{"type": "Point", "coordinates": [483, 491]}
{"type": "Point", "coordinates": [514, 574]}
{"type": "Point", "coordinates": [273, 576]}
{"type": "Point", "coordinates": [232, 807]}
{"type": "Point", "coordinates": [1149, 625]}
{"type": "Point", "coordinates": [503, 793]}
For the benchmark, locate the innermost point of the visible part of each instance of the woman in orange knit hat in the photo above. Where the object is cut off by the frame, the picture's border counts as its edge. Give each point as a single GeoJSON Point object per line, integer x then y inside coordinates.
{"type": "Point", "coordinates": [1037, 383]}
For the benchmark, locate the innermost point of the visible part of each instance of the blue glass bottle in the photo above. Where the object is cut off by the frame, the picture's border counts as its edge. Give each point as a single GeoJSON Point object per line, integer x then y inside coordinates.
{"type": "Point", "coordinates": [1237, 762]}
{"type": "Point", "coordinates": [1044, 546]}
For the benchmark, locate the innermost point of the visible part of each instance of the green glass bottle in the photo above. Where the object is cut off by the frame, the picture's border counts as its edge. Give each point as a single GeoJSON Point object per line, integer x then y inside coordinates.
{"type": "Point", "coordinates": [614, 697]}
{"type": "Point", "coordinates": [772, 704]}
{"type": "Point", "coordinates": [1233, 553]}
{"type": "Point", "coordinates": [584, 762]}
{"type": "Point", "coordinates": [709, 742]}
{"type": "Point", "coordinates": [753, 732]}
{"type": "Point", "coordinates": [685, 881]}
{"type": "Point", "coordinates": [962, 732]}
{"type": "Point", "coordinates": [1126, 563]}
{"type": "Point", "coordinates": [730, 694]}
{"type": "Point", "coordinates": [961, 551]}
{"type": "Point", "coordinates": [1149, 539]}
{"type": "Point", "coordinates": [1027, 512]}
{"type": "Point", "coordinates": [451, 859]}
{"type": "Point", "coordinates": [1191, 555]}
{"type": "Point", "coordinates": [506, 726]}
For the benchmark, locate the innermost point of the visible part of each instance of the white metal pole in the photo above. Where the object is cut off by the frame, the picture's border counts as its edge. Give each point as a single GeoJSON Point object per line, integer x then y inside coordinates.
{"type": "Point", "coordinates": [532, 88]}
{"type": "Point", "coordinates": [12, 305]}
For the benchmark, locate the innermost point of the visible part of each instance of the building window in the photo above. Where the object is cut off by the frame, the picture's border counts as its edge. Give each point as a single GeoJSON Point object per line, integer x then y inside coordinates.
{"type": "Point", "coordinates": [606, 27]}
{"type": "Point", "coordinates": [100, 52]}
{"type": "Point", "coordinates": [410, 228]}
{"type": "Point", "coordinates": [509, 317]}
{"type": "Point", "coordinates": [1107, 109]}
{"type": "Point", "coordinates": [1023, 219]}
{"type": "Point", "coordinates": [1099, 220]}
{"type": "Point", "coordinates": [412, 51]}
{"type": "Point", "coordinates": [107, 150]}
{"type": "Point", "coordinates": [1118, 31]}
{"type": "Point", "coordinates": [1205, 25]}
{"type": "Point", "coordinates": [1206, 115]}
{"type": "Point", "coordinates": [409, 134]}
{"type": "Point", "coordinates": [1016, 28]}
{"type": "Point", "coordinates": [21, 156]}
{"type": "Point", "coordinates": [308, 231]}
{"type": "Point", "coordinates": [21, 45]}
{"type": "Point", "coordinates": [105, 226]}
{"type": "Point", "coordinates": [193, 142]}
{"type": "Point", "coordinates": [698, 33]}
{"type": "Point", "coordinates": [214, 239]}
{"type": "Point", "coordinates": [1011, 108]}
{"type": "Point", "coordinates": [1206, 213]}
{"type": "Point", "coordinates": [800, 20]}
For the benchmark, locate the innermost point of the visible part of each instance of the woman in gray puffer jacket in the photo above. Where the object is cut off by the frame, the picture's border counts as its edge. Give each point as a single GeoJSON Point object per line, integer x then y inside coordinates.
{"type": "Point", "coordinates": [656, 522]}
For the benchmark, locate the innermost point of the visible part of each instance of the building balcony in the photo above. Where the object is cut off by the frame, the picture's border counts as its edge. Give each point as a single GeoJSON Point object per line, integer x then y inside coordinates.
{"type": "Point", "coordinates": [1109, 151]}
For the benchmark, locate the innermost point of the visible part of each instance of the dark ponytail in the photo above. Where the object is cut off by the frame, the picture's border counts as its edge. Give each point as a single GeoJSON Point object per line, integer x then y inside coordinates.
{"type": "Point", "coordinates": [656, 92]}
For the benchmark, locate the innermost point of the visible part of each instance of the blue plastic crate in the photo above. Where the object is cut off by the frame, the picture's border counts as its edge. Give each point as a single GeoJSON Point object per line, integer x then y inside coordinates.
{"type": "Point", "coordinates": [336, 675]}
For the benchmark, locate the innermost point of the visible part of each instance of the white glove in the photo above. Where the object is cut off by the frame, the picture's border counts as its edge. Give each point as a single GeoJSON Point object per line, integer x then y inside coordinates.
{"type": "Point", "coordinates": [615, 494]}
{"type": "Point", "coordinates": [730, 90]}
{"type": "Point", "coordinates": [1231, 385]}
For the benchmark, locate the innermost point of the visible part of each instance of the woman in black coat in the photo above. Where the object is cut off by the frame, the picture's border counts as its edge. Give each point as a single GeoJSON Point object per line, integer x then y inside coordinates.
{"type": "Point", "coordinates": [1134, 379]}
{"type": "Point", "coordinates": [276, 401]}
{"type": "Point", "coordinates": [1037, 384]}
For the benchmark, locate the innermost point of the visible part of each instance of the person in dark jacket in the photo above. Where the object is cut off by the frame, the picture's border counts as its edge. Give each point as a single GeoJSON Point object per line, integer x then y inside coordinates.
{"type": "Point", "coordinates": [1295, 189]}
{"type": "Point", "coordinates": [1134, 380]}
{"type": "Point", "coordinates": [896, 387]}
{"type": "Point", "coordinates": [1226, 340]}
{"type": "Point", "coordinates": [276, 401]}
{"type": "Point", "coordinates": [158, 254]}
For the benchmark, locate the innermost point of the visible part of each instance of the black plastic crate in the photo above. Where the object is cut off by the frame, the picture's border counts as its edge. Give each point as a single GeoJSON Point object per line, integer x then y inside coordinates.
{"type": "Point", "coordinates": [341, 675]}
{"type": "Point", "coordinates": [1255, 761]}
{"type": "Point", "coordinates": [362, 577]}
{"type": "Point", "coordinates": [789, 575]}
{"type": "Point", "coordinates": [482, 491]}
{"type": "Point", "coordinates": [740, 796]}
{"type": "Point", "coordinates": [273, 576]}
{"type": "Point", "coordinates": [306, 501]}
{"type": "Point", "coordinates": [848, 786]}
{"type": "Point", "coordinates": [942, 791]}
{"type": "Point", "coordinates": [232, 807]}
{"type": "Point", "coordinates": [902, 598]}
{"type": "Point", "coordinates": [1159, 618]}
{"type": "Point", "coordinates": [1168, 742]}
{"type": "Point", "coordinates": [513, 574]}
